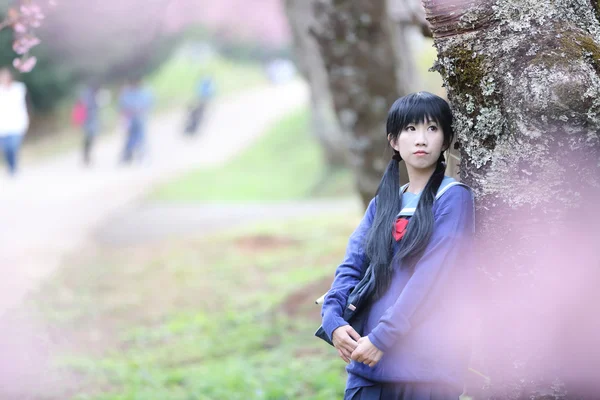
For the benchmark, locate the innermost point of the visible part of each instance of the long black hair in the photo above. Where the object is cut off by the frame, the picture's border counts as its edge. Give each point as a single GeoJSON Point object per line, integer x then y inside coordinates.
{"type": "Point", "coordinates": [414, 108]}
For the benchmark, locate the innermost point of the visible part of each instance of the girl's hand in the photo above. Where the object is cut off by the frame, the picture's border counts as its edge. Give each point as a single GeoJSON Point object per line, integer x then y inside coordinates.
{"type": "Point", "coordinates": [366, 352]}
{"type": "Point", "coordinates": [345, 339]}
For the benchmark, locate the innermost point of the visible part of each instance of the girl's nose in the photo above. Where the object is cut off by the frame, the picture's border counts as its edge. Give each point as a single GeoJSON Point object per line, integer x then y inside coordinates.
{"type": "Point", "coordinates": [421, 138]}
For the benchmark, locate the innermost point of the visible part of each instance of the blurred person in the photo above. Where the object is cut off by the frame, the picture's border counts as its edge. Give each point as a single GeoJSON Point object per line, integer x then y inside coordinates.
{"type": "Point", "coordinates": [86, 116]}
{"type": "Point", "coordinates": [280, 71]}
{"type": "Point", "coordinates": [205, 91]}
{"type": "Point", "coordinates": [14, 118]}
{"type": "Point", "coordinates": [135, 103]}
{"type": "Point", "coordinates": [408, 259]}
{"type": "Point", "coordinates": [123, 118]}
{"type": "Point", "coordinates": [206, 88]}
{"type": "Point", "coordinates": [78, 113]}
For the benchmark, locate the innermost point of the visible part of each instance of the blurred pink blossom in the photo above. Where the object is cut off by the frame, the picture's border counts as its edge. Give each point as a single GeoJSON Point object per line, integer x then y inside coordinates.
{"type": "Point", "coordinates": [25, 64]}
{"type": "Point", "coordinates": [23, 44]}
{"type": "Point", "coordinates": [23, 20]}
{"type": "Point", "coordinates": [20, 27]}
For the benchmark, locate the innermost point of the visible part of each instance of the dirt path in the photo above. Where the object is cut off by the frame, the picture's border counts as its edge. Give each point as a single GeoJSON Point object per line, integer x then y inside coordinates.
{"type": "Point", "coordinates": [52, 208]}
{"type": "Point", "coordinates": [147, 223]}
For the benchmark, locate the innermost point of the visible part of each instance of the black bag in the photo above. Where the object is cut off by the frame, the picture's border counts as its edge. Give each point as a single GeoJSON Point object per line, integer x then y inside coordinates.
{"type": "Point", "coordinates": [355, 312]}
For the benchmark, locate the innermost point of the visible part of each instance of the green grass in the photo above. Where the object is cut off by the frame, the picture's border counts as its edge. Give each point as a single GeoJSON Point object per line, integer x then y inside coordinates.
{"type": "Point", "coordinates": [286, 163]}
{"type": "Point", "coordinates": [226, 317]}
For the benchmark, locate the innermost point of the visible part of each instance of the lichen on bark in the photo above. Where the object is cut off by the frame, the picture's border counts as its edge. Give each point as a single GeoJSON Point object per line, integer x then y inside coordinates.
{"type": "Point", "coordinates": [476, 101]}
{"type": "Point", "coordinates": [521, 75]}
{"type": "Point", "coordinates": [565, 45]}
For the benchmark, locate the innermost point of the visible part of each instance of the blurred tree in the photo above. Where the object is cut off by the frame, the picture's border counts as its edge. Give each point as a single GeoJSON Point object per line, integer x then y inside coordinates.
{"type": "Point", "coordinates": [359, 44]}
{"type": "Point", "coordinates": [524, 80]}
{"type": "Point", "coordinates": [408, 27]}
{"type": "Point", "coordinates": [324, 122]}
{"type": "Point", "coordinates": [108, 39]}
{"type": "Point", "coordinates": [238, 22]}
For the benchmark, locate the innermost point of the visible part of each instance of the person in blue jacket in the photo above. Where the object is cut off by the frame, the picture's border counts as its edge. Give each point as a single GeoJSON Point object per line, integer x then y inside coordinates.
{"type": "Point", "coordinates": [135, 103]}
{"type": "Point", "coordinates": [416, 239]}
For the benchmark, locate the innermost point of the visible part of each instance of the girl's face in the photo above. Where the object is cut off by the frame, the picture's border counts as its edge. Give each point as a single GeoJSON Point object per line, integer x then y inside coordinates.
{"type": "Point", "coordinates": [420, 145]}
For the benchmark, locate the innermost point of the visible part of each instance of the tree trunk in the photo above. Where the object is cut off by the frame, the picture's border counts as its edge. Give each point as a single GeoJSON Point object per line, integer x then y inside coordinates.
{"type": "Point", "coordinates": [408, 26]}
{"type": "Point", "coordinates": [358, 42]}
{"type": "Point", "coordinates": [523, 77]}
{"type": "Point", "coordinates": [323, 119]}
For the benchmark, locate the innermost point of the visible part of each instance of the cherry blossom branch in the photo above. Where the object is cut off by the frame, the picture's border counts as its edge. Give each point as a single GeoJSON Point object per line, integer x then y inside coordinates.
{"type": "Point", "coordinates": [24, 18]}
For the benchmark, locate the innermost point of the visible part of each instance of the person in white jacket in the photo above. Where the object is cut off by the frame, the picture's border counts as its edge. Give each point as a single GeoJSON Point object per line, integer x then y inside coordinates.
{"type": "Point", "coordinates": [14, 119]}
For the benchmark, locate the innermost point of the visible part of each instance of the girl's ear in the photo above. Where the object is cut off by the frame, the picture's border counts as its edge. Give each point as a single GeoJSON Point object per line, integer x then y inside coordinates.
{"type": "Point", "coordinates": [393, 142]}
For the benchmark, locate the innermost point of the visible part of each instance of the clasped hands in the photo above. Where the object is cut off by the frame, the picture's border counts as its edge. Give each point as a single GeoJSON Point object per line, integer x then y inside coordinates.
{"type": "Point", "coordinates": [351, 346]}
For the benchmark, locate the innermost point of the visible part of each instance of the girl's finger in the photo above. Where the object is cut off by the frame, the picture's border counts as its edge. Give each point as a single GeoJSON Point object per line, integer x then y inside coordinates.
{"type": "Point", "coordinates": [358, 357]}
{"type": "Point", "coordinates": [348, 355]}
{"type": "Point", "coordinates": [343, 356]}
{"type": "Point", "coordinates": [349, 346]}
{"type": "Point", "coordinates": [351, 343]}
{"type": "Point", "coordinates": [347, 351]}
{"type": "Point", "coordinates": [353, 334]}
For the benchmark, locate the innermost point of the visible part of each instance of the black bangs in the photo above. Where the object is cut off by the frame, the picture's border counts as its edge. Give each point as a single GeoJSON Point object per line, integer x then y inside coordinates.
{"type": "Point", "coordinates": [418, 108]}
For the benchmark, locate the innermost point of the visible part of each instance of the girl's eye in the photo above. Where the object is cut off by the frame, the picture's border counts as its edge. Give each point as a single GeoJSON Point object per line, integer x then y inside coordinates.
{"type": "Point", "coordinates": [410, 128]}
{"type": "Point", "coordinates": [433, 128]}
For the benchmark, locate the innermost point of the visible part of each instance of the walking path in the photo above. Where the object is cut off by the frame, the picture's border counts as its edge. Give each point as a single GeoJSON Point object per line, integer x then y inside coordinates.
{"type": "Point", "coordinates": [146, 223]}
{"type": "Point", "coordinates": [51, 209]}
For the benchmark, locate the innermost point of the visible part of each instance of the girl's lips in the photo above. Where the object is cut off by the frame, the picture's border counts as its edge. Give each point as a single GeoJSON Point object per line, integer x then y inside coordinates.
{"type": "Point", "coordinates": [420, 153]}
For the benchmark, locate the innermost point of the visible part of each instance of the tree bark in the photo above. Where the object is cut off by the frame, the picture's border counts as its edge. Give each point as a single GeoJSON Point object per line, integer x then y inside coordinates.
{"type": "Point", "coordinates": [324, 122]}
{"type": "Point", "coordinates": [358, 43]}
{"type": "Point", "coordinates": [523, 77]}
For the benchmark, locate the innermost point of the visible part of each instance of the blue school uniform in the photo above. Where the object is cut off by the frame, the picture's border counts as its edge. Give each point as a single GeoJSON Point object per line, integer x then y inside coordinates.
{"type": "Point", "coordinates": [419, 323]}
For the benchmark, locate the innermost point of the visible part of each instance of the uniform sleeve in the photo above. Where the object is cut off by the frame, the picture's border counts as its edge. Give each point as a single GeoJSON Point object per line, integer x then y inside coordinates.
{"type": "Point", "coordinates": [453, 230]}
{"type": "Point", "coordinates": [347, 275]}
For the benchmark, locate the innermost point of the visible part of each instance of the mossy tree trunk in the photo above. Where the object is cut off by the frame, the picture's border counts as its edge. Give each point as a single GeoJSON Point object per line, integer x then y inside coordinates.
{"type": "Point", "coordinates": [523, 77]}
{"type": "Point", "coordinates": [357, 43]}
{"type": "Point", "coordinates": [324, 121]}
